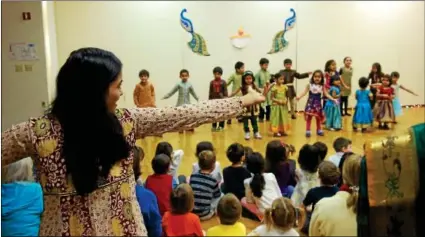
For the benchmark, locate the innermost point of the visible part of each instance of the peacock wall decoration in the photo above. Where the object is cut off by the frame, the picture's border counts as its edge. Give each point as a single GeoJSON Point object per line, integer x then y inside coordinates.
{"type": "Point", "coordinates": [279, 41]}
{"type": "Point", "coordinates": [197, 44]}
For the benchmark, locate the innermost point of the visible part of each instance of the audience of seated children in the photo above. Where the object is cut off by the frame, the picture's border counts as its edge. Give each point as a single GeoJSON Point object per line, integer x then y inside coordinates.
{"type": "Point", "coordinates": [261, 189]}
{"type": "Point", "coordinates": [146, 199]}
{"type": "Point", "coordinates": [336, 215]}
{"type": "Point", "coordinates": [229, 212]}
{"type": "Point", "coordinates": [205, 187]}
{"type": "Point", "coordinates": [21, 200]}
{"type": "Point", "coordinates": [176, 157]}
{"type": "Point", "coordinates": [280, 220]}
{"type": "Point", "coordinates": [161, 183]}
{"type": "Point", "coordinates": [180, 221]}
{"type": "Point", "coordinates": [207, 146]}
{"type": "Point", "coordinates": [307, 177]}
{"type": "Point", "coordinates": [341, 146]}
{"type": "Point", "coordinates": [323, 149]}
{"type": "Point", "coordinates": [277, 163]}
{"type": "Point", "coordinates": [235, 174]}
{"type": "Point", "coordinates": [329, 175]}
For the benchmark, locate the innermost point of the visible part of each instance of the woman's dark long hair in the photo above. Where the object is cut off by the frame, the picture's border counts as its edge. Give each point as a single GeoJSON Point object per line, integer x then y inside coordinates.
{"type": "Point", "coordinates": [255, 165]}
{"type": "Point", "coordinates": [93, 136]}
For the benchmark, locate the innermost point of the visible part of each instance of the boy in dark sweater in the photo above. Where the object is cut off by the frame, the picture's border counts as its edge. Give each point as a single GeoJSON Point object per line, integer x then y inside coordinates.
{"type": "Point", "coordinates": [218, 90]}
{"type": "Point", "coordinates": [235, 174]}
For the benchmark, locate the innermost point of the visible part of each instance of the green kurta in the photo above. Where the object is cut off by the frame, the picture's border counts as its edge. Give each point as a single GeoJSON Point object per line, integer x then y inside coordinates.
{"type": "Point", "coordinates": [279, 114]}
{"type": "Point", "coordinates": [236, 81]}
{"type": "Point", "coordinates": [261, 78]}
{"type": "Point", "coordinates": [346, 74]}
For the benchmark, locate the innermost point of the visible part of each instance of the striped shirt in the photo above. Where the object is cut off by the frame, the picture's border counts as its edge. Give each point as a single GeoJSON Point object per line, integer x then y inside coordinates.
{"type": "Point", "coordinates": [205, 189]}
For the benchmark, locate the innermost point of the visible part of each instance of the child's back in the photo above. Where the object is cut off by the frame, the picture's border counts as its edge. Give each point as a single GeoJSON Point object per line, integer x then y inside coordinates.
{"type": "Point", "coordinates": [235, 174]}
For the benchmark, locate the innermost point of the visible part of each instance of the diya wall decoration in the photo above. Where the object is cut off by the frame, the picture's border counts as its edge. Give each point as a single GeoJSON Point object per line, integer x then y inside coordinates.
{"type": "Point", "coordinates": [279, 41]}
{"type": "Point", "coordinates": [241, 39]}
{"type": "Point", "coordinates": [197, 44]}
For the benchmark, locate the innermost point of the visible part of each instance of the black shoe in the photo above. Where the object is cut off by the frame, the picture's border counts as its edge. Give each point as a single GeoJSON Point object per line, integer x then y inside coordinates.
{"type": "Point", "coordinates": [385, 127]}
{"type": "Point", "coordinates": [364, 130]}
{"type": "Point", "coordinates": [342, 114]}
{"type": "Point", "coordinates": [355, 129]}
{"type": "Point", "coordinates": [381, 126]}
{"type": "Point", "coordinates": [347, 114]}
{"type": "Point", "coordinates": [229, 121]}
{"type": "Point", "coordinates": [294, 116]}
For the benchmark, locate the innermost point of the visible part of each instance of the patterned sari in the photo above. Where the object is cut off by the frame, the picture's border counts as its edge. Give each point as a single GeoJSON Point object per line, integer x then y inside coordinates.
{"type": "Point", "coordinates": [391, 186]}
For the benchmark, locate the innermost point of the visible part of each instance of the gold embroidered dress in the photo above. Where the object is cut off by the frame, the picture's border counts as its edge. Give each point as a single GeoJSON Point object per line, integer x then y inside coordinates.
{"type": "Point", "coordinates": [112, 209]}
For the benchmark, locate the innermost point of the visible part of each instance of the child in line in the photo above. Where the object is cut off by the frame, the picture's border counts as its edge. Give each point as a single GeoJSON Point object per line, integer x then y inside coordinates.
{"type": "Point", "coordinates": [262, 78]}
{"type": "Point", "coordinates": [375, 76]}
{"type": "Point", "coordinates": [144, 92]}
{"type": "Point", "coordinates": [205, 187]}
{"type": "Point", "coordinates": [236, 80]}
{"type": "Point", "coordinates": [218, 90]}
{"type": "Point", "coordinates": [146, 199]}
{"type": "Point", "coordinates": [384, 110]}
{"type": "Point", "coordinates": [180, 221]}
{"type": "Point", "coordinates": [229, 211]}
{"type": "Point", "coordinates": [280, 220]}
{"type": "Point", "coordinates": [395, 76]}
{"type": "Point", "coordinates": [313, 107]}
{"type": "Point", "coordinates": [332, 110]}
{"type": "Point", "coordinates": [279, 116]}
{"type": "Point", "coordinates": [176, 157]}
{"type": "Point", "coordinates": [329, 176]}
{"type": "Point", "coordinates": [251, 111]}
{"type": "Point", "coordinates": [289, 76]}
{"type": "Point", "coordinates": [262, 189]}
{"type": "Point", "coordinates": [235, 174]}
{"type": "Point", "coordinates": [341, 145]}
{"type": "Point", "coordinates": [207, 146]}
{"type": "Point", "coordinates": [330, 70]}
{"type": "Point", "coordinates": [185, 89]}
{"type": "Point", "coordinates": [346, 73]}
{"type": "Point", "coordinates": [309, 161]}
{"type": "Point", "coordinates": [363, 117]}
{"type": "Point", "coordinates": [161, 183]}
{"type": "Point", "coordinates": [278, 164]}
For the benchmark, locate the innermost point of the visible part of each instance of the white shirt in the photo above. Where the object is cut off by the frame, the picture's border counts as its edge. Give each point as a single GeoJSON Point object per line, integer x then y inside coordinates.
{"type": "Point", "coordinates": [306, 181]}
{"type": "Point", "coordinates": [175, 163]}
{"type": "Point", "coordinates": [336, 159]}
{"type": "Point", "coordinates": [271, 192]}
{"type": "Point", "coordinates": [216, 173]}
{"type": "Point", "coordinates": [262, 231]}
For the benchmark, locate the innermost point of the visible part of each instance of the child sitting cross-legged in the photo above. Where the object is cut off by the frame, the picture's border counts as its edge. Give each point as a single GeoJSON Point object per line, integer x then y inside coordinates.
{"type": "Point", "coordinates": [180, 221]}
{"type": "Point", "coordinates": [205, 186]}
{"type": "Point", "coordinates": [229, 212]}
{"type": "Point", "coordinates": [207, 146]}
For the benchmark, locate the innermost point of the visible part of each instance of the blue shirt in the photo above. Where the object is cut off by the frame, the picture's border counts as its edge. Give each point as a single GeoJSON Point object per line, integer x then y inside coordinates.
{"type": "Point", "coordinates": [150, 211]}
{"type": "Point", "coordinates": [21, 208]}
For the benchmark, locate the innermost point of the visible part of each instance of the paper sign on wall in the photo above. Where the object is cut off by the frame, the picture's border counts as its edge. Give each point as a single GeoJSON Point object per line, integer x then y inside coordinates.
{"type": "Point", "coordinates": [22, 51]}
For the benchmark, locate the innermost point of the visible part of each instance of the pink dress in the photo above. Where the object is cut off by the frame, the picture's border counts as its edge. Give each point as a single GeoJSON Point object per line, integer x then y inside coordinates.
{"type": "Point", "coordinates": [112, 209]}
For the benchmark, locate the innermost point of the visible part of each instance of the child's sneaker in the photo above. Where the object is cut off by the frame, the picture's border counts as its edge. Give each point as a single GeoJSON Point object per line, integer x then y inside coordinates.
{"type": "Point", "coordinates": [219, 129]}
{"type": "Point", "coordinates": [320, 133]}
{"type": "Point", "coordinates": [257, 135]}
{"type": "Point", "coordinates": [308, 133]}
{"type": "Point", "coordinates": [277, 135]}
{"type": "Point", "coordinates": [247, 136]}
{"type": "Point", "coordinates": [332, 129]}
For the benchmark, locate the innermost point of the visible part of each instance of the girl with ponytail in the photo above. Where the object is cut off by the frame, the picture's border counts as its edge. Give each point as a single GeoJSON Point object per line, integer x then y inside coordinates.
{"type": "Point", "coordinates": [325, 221]}
{"type": "Point", "coordinates": [280, 219]}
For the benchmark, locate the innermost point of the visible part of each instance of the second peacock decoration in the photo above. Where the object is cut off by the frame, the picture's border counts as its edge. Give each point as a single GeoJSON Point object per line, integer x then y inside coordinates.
{"type": "Point", "coordinates": [197, 44]}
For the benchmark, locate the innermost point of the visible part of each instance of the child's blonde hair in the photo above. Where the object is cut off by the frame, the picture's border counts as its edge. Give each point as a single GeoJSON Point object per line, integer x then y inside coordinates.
{"type": "Point", "coordinates": [182, 199]}
{"type": "Point", "coordinates": [351, 177]}
{"type": "Point", "coordinates": [206, 160]}
{"type": "Point", "coordinates": [283, 215]}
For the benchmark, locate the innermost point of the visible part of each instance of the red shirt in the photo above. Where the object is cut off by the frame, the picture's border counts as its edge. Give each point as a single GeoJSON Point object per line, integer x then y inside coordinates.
{"type": "Point", "coordinates": [386, 91]}
{"type": "Point", "coordinates": [181, 225]}
{"type": "Point", "coordinates": [162, 186]}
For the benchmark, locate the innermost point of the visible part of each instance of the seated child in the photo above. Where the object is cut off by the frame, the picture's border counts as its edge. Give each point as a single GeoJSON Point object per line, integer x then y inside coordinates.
{"type": "Point", "coordinates": [229, 212]}
{"type": "Point", "coordinates": [323, 149]}
{"type": "Point", "coordinates": [180, 221]}
{"type": "Point", "coordinates": [176, 156]}
{"type": "Point", "coordinates": [262, 189]}
{"type": "Point", "coordinates": [341, 164]}
{"type": "Point", "coordinates": [235, 174]}
{"type": "Point", "coordinates": [341, 146]}
{"type": "Point", "coordinates": [145, 198]}
{"type": "Point", "coordinates": [307, 177]}
{"type": "Point", "coordinates": [205, 187]}
{"type": "Point", "coordinates": [161, 183]}
{"type": "Point", "coordinates": [329, 176]}
{"type": "Point", "coordinates": [280, 220]}
{"type": "Point", "coordinates": [207, 146]}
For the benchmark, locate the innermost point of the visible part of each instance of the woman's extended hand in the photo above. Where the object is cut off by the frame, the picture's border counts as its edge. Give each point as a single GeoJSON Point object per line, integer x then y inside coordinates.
{"type": "Point", "coordinates": [252, 97]}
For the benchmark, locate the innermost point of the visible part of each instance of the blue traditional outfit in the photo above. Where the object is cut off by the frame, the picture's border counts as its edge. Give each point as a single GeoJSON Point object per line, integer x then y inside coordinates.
{"type": "Point", "coordinates": [363, 116]}
{"type": "Point", "coordinates": [396, 101]}
{"type": "Point", "coordinates": [332, 110]}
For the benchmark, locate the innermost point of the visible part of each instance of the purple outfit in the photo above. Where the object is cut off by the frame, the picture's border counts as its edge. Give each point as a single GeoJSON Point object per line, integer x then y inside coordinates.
{"type": "Point", "coordinates": [314, 102]}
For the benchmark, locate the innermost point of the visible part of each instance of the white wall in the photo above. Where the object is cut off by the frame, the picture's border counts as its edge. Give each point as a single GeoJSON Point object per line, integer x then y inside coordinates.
{"type": "Point", "coordinates": [22, 92]}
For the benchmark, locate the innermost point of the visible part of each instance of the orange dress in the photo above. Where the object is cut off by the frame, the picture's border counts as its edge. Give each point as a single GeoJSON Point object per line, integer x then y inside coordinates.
{"type": "Point", "coordinates": [144, 95]}
{"type": "Point", "coordinates": [112, 209]}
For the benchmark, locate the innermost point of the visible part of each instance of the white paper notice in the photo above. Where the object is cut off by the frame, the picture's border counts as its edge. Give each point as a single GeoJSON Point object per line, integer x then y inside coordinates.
{"type": "Point", "coordinates": [23, 52]}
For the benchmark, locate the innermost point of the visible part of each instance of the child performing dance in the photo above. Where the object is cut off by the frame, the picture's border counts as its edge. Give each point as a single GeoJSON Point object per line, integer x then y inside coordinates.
{"type": "Point", "coordinates": [363, 117]}
{"type": "Point", "coordinates": [384, 110]}
{"type": "Point", "coordinates": [346, 73]}
{"type": "Point", "coordinates": [332, 110]}
{"type": "Point", "coordinates": [279, 116]}
{"type": "Point", "coordinates": [261, 79]}
{"type": "Point", "coordinates": [144, 92]}
{"type": "Point", "coordinates": [236, 80]}
{"type": "Point", "coordinates": [289, 76]}
{"type": "Point", "coordinates": [313, 107]}
{"type": "Point", "coordinates": [184, 88]}
{"type": "Point", "coordinates": [251, 112]}
{"type": "Point", "coordinates": [375, 76]}
{"type": "Point", "coordinates": [218, 90]}
{"type": "Point", "coordinates": [396, 101]}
